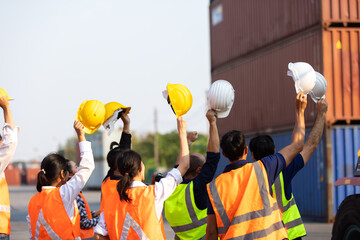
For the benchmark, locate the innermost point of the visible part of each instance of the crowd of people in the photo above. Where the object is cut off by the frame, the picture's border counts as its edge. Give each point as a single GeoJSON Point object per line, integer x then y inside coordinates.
{"type": "Point", "coordinates": [249, 200]}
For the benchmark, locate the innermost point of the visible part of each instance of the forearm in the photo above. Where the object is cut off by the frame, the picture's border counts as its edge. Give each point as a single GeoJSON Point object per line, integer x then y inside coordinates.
{"type": "Point", "coordinates": [183, 158]}
{"type": "Point", "coordinates": [211, 228]}
{"type": "Point", "coordinates": [8, 147]}
{"type": "Point", "coordinates": [126, 128]}
{"type": "Point", "coordinates": [8, 117]}
{"type": "Point", "coordinates": [299, 129]}
{"type": "Point", "coordinates": [314, 137]}
{"type": "Point", "coordinates": [214, 143]}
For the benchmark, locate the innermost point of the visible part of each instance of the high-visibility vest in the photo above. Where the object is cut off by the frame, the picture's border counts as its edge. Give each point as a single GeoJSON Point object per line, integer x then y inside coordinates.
{"type": "Point", "coordinates": [187, 221]}
{"type": "Point", "coordinates": [86, 233]}
{"type": "Point", "coordinates": [4, 207]}
{"type": "Point", "coordinates": [243, 206]}
{"type": "Point", "coordinates": [108, 188]}
{"type": "Point", "coordinates": [49, 219]}
{"type": "Point", "coordinates": [291, 215]}
{"type": "Point", "coordinates": [135, 220]}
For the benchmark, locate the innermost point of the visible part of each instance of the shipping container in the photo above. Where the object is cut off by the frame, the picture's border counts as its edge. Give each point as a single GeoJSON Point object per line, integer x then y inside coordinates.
{"type": "Point", "coordinates": [264, 95]}
{"type": "Point", "coordinates": [31, 175]}
{"type": "Point", "coordinates": [240, 27]}
{"type": "Point", "coordinates": [341, 70]}
{"type": "Point", "coordinates": [13, 176]}
{"type": "Point", "coordinates": [345, 146]}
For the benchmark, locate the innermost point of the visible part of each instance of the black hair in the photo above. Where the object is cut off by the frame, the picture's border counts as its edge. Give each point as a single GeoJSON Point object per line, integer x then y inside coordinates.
{"type": "Point", "coordinates": [129, 165]}
{"type": "Point", "coordinates": [69, 167]}
{"type": "Point", "coordinates": [111, 159]}
{"type": "Point", "coordinates": [262, 146]}
{"type": "Point", "coordinates": [233, 145]}
{"type": "Point", "coordinates": [51, 167]}
{"type": "Point", "coordinates": [195, 162]}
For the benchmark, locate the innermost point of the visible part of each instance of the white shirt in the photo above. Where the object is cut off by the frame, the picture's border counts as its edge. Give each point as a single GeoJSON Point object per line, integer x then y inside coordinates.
{"type": "Point", "coordinates": [163, 191]}
{"type": "Point", "coordinates": [72, 188]}
{"type": "Point", "coordinates": [8, 147]}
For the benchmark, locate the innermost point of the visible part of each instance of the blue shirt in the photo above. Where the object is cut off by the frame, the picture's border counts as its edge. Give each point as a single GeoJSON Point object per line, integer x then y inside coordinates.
{"type": "Point", "coordinates": [273, 164]}
{"type": "Point", "coordinates": [289, 173]}
{"type": "Point", "coordinates": [205, 176]}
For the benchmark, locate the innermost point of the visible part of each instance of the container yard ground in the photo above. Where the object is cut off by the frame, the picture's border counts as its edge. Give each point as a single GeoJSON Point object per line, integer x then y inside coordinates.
{"type": "Point", "coordinates": [20, 196]}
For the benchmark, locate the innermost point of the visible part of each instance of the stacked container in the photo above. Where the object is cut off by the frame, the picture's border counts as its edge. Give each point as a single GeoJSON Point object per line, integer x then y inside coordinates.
{"type": "Point", "coordinates": [252, 42]}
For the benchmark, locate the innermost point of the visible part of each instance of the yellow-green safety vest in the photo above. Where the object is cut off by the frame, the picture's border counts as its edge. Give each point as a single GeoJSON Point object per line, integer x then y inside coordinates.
{"type": "Point", "coordinates": [291, 215]}
{"type": "Point", "coordinates": [187, 221]}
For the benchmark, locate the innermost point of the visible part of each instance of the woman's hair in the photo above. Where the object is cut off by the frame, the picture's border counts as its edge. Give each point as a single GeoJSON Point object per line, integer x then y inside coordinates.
{"type": "Point", "coordinates": [51, 167]}
{"type": "Point", "coordinates": [129, 165]}
{"type": "Point", "coordinates": [111, 159]}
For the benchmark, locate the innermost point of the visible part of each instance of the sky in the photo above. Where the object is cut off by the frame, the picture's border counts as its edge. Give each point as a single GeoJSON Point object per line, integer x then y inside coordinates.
{"type": "Point", "coordinates": [55, 54]}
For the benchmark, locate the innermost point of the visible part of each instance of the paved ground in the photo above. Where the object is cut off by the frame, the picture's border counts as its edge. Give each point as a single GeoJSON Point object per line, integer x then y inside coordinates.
{"type": "Point", "coordinates": [20, 196]}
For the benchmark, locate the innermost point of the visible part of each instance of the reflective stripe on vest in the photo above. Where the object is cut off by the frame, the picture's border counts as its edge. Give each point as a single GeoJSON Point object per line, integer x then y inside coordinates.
{"type": "Point", "coordinates": [5, 227]}
{"type": "Point", "coordinates": [50, 232]}
{"type": "Point", "coordinates": [187, 221]}
{"type": "Point", "coordinates": [289, 209]}
{"type": "Point", "coordinates": [130, 222]}
{"type": "Point", "coordinates": [195, 221]}
{"type": "Point", "coordinates": [262, 213]}
{"type": "Point", "coordinates": [4, 208]}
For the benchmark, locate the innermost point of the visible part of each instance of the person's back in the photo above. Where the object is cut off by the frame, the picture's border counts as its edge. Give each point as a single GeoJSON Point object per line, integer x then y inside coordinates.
{"type": "Point", "coordinates": [240, 201]}
{"type": "Point", "coordinates": [185, 209]}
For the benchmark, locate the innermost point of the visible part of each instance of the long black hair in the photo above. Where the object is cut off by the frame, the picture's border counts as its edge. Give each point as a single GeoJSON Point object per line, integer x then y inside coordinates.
{"type": "Point", "coordinates": [111, 159]}
{"type": "Point", "coordinates": [51, 167]}
{"type": "Point", "coordinates": [129, 165]}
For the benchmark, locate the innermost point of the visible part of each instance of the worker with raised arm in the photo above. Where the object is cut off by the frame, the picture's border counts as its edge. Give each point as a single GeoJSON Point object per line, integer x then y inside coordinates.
{"type": "Point", "coordinates": [241, 205]}
{"type": "Point", "coordinates": [8, 143]}
{"type": "Point", "coordinates": [185, 209]}
{"type": "Point", "coordinates": [263, 145]}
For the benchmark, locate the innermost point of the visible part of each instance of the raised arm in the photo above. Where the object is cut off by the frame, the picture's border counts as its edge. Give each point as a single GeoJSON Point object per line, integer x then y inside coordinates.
{"type": "Point", "coordinates": [214, 142]}
{"type": "Point", "coordinates": [316, 132]}
{"type": "Point", "coordinates": [9, 141]}
{"type": "Point", "coordinates": [4, 104]}
{"type": "Point", "coordinates": [192, 137]}
{"type": "Point", "coordinates": [297, 144]}
{"type": "Point", "coordinates": [125, 140]}
{"type": "Point", "coordinates": [71, 189]}
{"type": "Point", "coordinates": [184, 157]}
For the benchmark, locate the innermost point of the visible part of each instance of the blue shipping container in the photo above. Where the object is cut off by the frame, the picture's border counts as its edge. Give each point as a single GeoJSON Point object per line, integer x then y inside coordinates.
{"type": "Point", "coordinates": [346, 143]}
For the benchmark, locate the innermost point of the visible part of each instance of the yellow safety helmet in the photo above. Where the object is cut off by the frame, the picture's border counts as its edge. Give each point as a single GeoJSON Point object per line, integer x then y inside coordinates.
{"type": "Point", "coordinates": [112, 114]}
{"type": "Point", "coordinates": [180, 98]}
{"type": "Point", "coordinates": [91, 114]}
{"type": "Point", "coordinates": [4, 93]}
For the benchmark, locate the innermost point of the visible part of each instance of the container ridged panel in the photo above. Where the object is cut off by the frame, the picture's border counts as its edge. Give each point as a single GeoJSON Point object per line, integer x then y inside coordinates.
{"type": "Point", "coordinates": [264, 94]}
{"type": "Point", "coordinates": [345, 146]}
{"type": "Point", "coordinates": [341, 70]}
{"type": "Point", "coordinates": [251, 24]}
{"type": "Point", "coordinates": [340, 11]}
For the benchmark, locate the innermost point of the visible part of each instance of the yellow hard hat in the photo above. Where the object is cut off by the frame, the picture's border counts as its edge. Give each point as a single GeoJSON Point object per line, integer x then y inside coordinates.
{"type": "Point", "coordinates": [4, 93]}
{"type": "Point", "coordinates": [112, 114]}
{"type": "Point", "coordinates": [111, 107]}
{"type": "Point", "coordinates": [180, 98]}
{"type": "Point", "coordinates": [91, 114]}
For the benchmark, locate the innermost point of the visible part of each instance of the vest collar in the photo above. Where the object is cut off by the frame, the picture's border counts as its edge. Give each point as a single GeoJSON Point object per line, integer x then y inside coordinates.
{"type": "Point", "coordinates": [236, 165]}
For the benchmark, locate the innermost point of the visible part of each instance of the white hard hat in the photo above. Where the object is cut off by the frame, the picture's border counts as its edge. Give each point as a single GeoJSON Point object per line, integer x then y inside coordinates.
{"type": "Point", "coordinates": [303, 75]}
{"type": "Point", "coordinates": [221, 97]}
{"type": "Point", "coordinates": [319, 90]}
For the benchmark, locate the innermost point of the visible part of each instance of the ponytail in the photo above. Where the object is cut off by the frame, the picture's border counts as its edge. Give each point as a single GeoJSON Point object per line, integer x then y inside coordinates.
{"type": "Point", "coordinates": [129, 165]}
{"type": "Point", "coordinates": [41, 180]}
{"type": "Point", "coordinates": [111, 159]}
{"type": "Point", "coordinates": [51, 167]}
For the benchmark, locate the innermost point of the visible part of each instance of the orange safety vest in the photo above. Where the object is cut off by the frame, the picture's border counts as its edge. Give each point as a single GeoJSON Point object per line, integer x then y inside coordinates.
{"type": "Point", "coordinates": [135, 220]}
{"type": "Point", "coordinates": [243, 206]}
{"type": "Point", "coordinates": [108, 188]}
{"type": "Point", "coordinates": [86, 233]}
{"type": "Point", "coordinates": [49, 219]}
{"type": "Point", "coordinates": [4, 207]}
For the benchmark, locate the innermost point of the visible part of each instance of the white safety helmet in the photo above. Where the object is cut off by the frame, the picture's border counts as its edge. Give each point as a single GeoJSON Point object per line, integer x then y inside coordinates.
{"type": "Point", "coordinates": [221, 97]}
{"type": "Point", "coordinates": [303, 75]}
{"type": "Point", "coordinates": [319, 90]}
